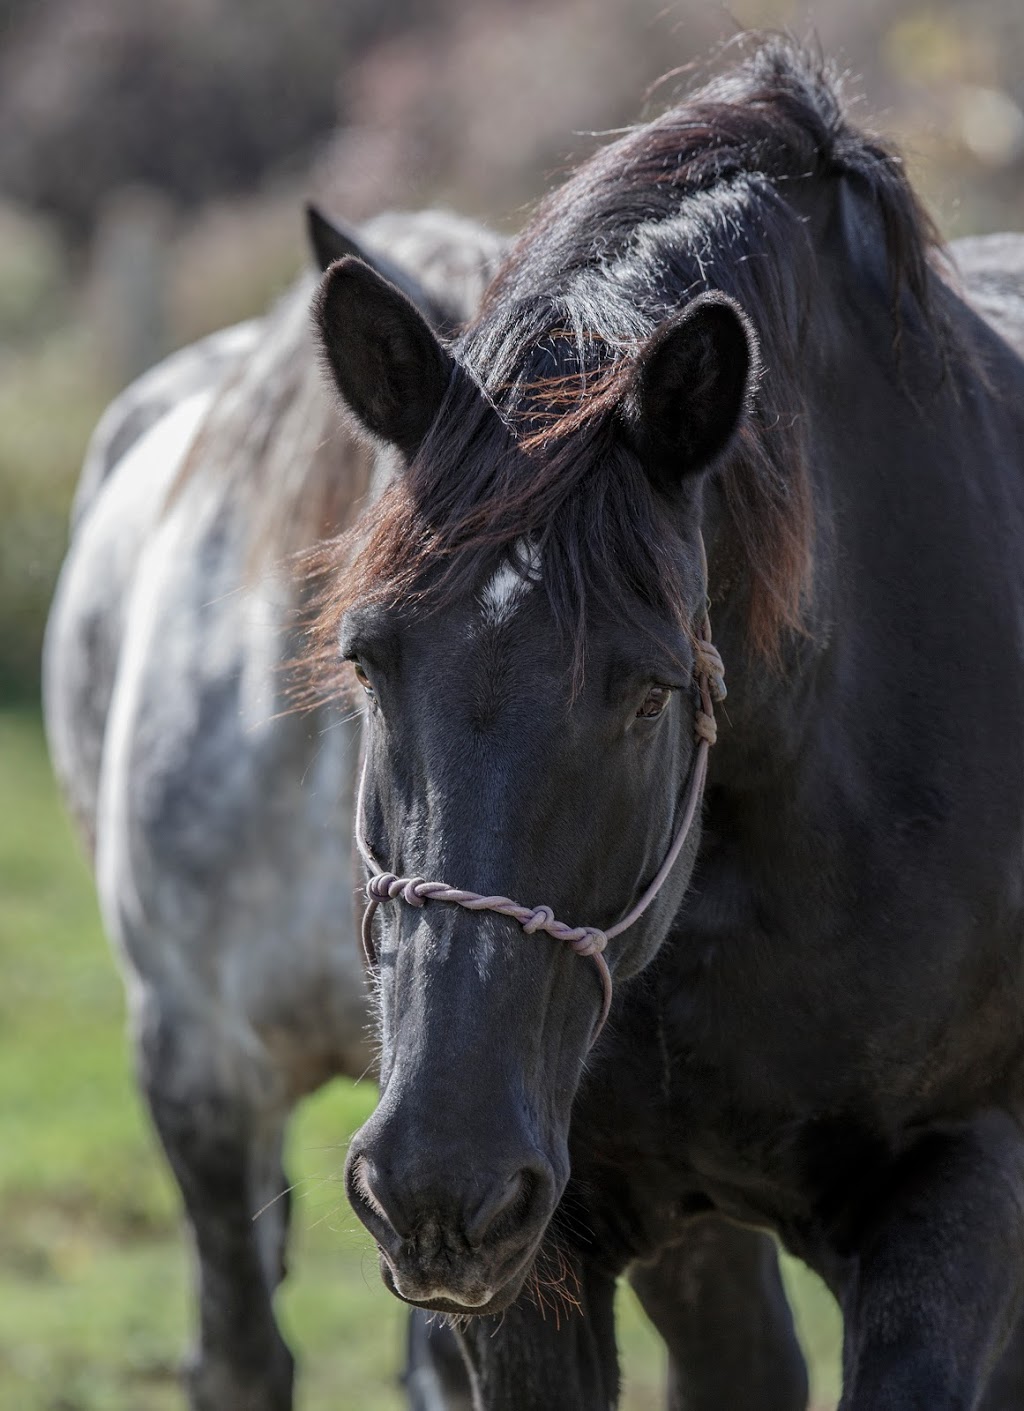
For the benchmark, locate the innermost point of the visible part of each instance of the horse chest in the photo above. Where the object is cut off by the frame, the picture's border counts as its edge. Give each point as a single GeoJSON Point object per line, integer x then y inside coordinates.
{"type": "Point", "coordinates": [695, 1129]}
{"type": "Point", "coordinates": [770, 1076]}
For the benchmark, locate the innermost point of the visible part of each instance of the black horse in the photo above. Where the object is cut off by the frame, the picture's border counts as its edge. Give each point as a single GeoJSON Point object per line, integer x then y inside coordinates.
{"type": "Point", "coordinates": [733, 325]}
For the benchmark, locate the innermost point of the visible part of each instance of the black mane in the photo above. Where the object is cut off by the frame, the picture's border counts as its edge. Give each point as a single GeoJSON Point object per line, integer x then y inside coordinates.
{"type": "Point", "coordinates": [698, 199]}
{"type": "Point", "coordinates": [681, 204]}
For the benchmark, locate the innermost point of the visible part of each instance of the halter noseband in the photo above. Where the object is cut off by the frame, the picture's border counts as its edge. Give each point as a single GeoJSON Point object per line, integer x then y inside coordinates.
{"type": "Point", "coordinates": [584, 940]}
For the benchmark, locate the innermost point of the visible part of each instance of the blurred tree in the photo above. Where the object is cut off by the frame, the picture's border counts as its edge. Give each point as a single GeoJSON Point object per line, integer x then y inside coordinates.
{"type": "Point", "coordinates": [194, 97]}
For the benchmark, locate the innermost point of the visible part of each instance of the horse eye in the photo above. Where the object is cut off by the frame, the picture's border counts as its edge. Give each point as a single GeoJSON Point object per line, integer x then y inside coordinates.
{"type": "Point", "coordinates": [363, 679]}
{"type": "Point", "coordinates": [654, 703]}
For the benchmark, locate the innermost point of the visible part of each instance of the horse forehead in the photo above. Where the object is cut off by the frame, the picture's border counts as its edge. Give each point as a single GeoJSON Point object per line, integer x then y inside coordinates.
{"type": "Point", "coordinates": [507, 588]}
{"type": "Point", "coordinates": [502, 595]}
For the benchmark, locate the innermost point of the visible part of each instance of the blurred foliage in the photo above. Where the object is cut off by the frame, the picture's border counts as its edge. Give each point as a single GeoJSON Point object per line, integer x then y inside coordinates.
{"type": "Point", "coordinates": [195, 97]}
{"type": "Point", "coordinates": [154, 158]}
{"type": "Point", "coordinates": [49, 400]}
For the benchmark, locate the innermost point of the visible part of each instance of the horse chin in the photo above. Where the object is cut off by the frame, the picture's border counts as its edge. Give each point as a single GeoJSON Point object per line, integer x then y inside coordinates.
{"type": "Point", "coordinates": [463, 1305]}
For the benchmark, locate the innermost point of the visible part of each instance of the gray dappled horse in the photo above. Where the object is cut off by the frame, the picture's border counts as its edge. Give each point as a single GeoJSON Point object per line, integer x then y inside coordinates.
{"type": "Point", "coordinates": [220, 824]}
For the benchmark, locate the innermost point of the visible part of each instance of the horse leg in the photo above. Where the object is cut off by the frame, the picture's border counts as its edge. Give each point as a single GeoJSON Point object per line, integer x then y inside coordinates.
{"type": "Point", "coordinates": [939, 1277]}
{"type": "Point", "coordinates": [1005, 1390]}
{"type": "Point", "coordinates": [226, 1158]}
{"type": "Point", "coordinates": [549, 1348]}
{"type": "Point", "coordinates": [717, 1300]}
{"type": "Point", "coordinates": [271, 1199]}
{"type": "Point", "coordinates": [435, 1376]}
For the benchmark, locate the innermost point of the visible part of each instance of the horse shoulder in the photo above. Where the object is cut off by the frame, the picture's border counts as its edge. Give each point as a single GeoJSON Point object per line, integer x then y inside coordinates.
{"type": "Point", "coordinates": [86, 622]}
{"type": "Point", "coordinates": [223, 829]}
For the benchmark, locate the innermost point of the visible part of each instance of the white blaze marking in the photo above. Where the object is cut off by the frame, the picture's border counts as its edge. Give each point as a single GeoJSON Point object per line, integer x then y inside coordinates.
{"type": "Point", "coordinates": [508, 587]}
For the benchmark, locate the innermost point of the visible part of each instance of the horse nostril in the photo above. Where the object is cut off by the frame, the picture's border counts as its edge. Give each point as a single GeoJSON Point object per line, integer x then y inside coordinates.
{"type": "Point", "coordinates": [367, 1193]}
{"type": "Point", "coordinates": [502, 1197]}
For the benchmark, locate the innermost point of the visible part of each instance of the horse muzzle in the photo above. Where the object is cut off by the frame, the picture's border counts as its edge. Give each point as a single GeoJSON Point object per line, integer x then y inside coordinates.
{"type": "Point", "coordinates": [461, 1246]}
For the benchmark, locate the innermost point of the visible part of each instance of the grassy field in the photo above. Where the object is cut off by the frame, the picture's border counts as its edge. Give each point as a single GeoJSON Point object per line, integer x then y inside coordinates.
{"type": "Point", "coordinates": [94, 1303]}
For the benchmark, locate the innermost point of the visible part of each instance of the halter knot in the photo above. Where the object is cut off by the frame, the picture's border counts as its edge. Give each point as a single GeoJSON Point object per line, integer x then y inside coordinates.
{"type": "Point", "coordinates": [592, 942]}
{"type": "Point", "coordinates": [709, 665]}
{"type": "Point", "coordinates": [705, 727]}
{"type": "Point", "coordinates": [540, 920]}
{"type": "Point", "coordinates": [411, 891]}
{"type": "Point", "coordinates": [378, 888]}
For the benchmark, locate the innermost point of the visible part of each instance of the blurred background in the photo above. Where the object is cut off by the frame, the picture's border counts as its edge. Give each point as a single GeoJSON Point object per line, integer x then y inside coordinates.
{"type": "Point", "coordinates": [154, 155]}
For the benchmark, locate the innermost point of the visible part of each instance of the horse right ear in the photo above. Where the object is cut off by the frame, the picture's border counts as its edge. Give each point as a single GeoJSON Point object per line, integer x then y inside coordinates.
{"type": "Point", "coordinates": [388, 364]}
{"type": "Point", "coordinates": [691, 387]}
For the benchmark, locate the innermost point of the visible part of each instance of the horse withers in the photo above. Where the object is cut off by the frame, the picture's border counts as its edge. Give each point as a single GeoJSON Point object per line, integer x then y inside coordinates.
{"type": "Point", "coordinates": [732, 328]}
{"type": "Point", "coordinates": [218, 819]}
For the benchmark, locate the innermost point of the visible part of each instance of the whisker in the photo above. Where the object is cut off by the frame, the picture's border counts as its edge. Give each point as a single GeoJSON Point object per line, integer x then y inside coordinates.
{"type": "Point", "coordinates": [305, 1186]}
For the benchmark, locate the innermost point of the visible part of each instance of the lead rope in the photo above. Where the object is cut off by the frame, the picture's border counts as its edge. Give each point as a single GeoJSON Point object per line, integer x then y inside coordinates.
{"type": "Point", "coordinates": [587, 941]}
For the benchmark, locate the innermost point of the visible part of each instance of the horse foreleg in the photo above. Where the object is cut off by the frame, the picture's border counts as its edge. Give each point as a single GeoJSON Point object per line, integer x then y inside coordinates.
{"type": "Point", "coordinates": [226, 1159]}
{"type": "Point", "coordinates": [939, 1274]}
{"type": "Point", "coordinates": [555, 1346]}
{"type": "Point", "coordinates": [435, 1376]}
{"type": "Point", "coordinates": [717, 1300]}
{"type": "Point", "coordinates": [1005, 1390]}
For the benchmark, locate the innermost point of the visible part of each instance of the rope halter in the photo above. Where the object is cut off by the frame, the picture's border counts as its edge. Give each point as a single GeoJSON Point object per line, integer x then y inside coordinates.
{"type": "Point", "coordinates": [586, 941]}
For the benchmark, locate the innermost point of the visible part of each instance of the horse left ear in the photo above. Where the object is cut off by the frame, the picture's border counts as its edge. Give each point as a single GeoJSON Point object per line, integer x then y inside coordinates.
{"type": "Point", "coordinates": [387, 362]}
{"type": "Point", "coordinates": [690, 388]}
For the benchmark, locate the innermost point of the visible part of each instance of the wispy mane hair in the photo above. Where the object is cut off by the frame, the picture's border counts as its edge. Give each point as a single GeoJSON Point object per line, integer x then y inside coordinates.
{"type": "Point", "coordinates": [527, 447]}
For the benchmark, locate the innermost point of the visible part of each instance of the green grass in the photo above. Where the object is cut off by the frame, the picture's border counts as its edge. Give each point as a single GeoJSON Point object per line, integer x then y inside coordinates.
{"type": "Point", "coordinates": [94, 1301]}
{"type": "Point", "coordinates": [51, 393]}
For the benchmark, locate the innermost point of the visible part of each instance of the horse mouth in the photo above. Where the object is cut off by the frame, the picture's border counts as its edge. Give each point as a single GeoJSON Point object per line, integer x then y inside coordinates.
{"type": "Point", "coordinates": [475, 1303]}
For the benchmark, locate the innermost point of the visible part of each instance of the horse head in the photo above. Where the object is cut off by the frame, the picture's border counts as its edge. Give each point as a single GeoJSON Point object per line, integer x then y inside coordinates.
{"type": "Point", "coordinates": [522, 618]}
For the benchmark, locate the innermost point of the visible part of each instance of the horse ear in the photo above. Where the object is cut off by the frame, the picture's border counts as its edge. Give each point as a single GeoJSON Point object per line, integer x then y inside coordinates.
{"type": "Point", "coordinates": [331, 240]}
{"type": "Point", "coordinates": [388, 365]}
{"type": "Point", "coordinates": [691, 386]}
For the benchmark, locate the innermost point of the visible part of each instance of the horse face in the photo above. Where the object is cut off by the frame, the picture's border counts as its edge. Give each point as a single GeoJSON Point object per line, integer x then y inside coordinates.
{"type": "Point", "coordinates": [485, 771]}
{"type": "Point", "coordinates": [490, 768]}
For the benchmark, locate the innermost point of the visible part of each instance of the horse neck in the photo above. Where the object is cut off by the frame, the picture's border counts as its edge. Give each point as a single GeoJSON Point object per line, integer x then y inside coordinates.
{"type": "Point", "coordinates": [762, 722]}
{"type": "Point", "coordinates": [869, 405]}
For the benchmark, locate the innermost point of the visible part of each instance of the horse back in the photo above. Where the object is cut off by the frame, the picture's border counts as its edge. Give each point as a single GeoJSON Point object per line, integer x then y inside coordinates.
{"type": "Point", "coordinates": [991, 268]}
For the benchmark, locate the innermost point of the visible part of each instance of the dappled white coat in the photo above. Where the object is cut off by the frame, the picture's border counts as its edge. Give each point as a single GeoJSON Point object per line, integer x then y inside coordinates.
{"type": "Point", "coordinates": [220, 822]}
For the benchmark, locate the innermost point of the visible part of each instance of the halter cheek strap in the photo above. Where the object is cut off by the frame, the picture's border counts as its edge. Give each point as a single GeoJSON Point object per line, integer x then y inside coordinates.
{"type": "Point", "coordinates": [587, 941]}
